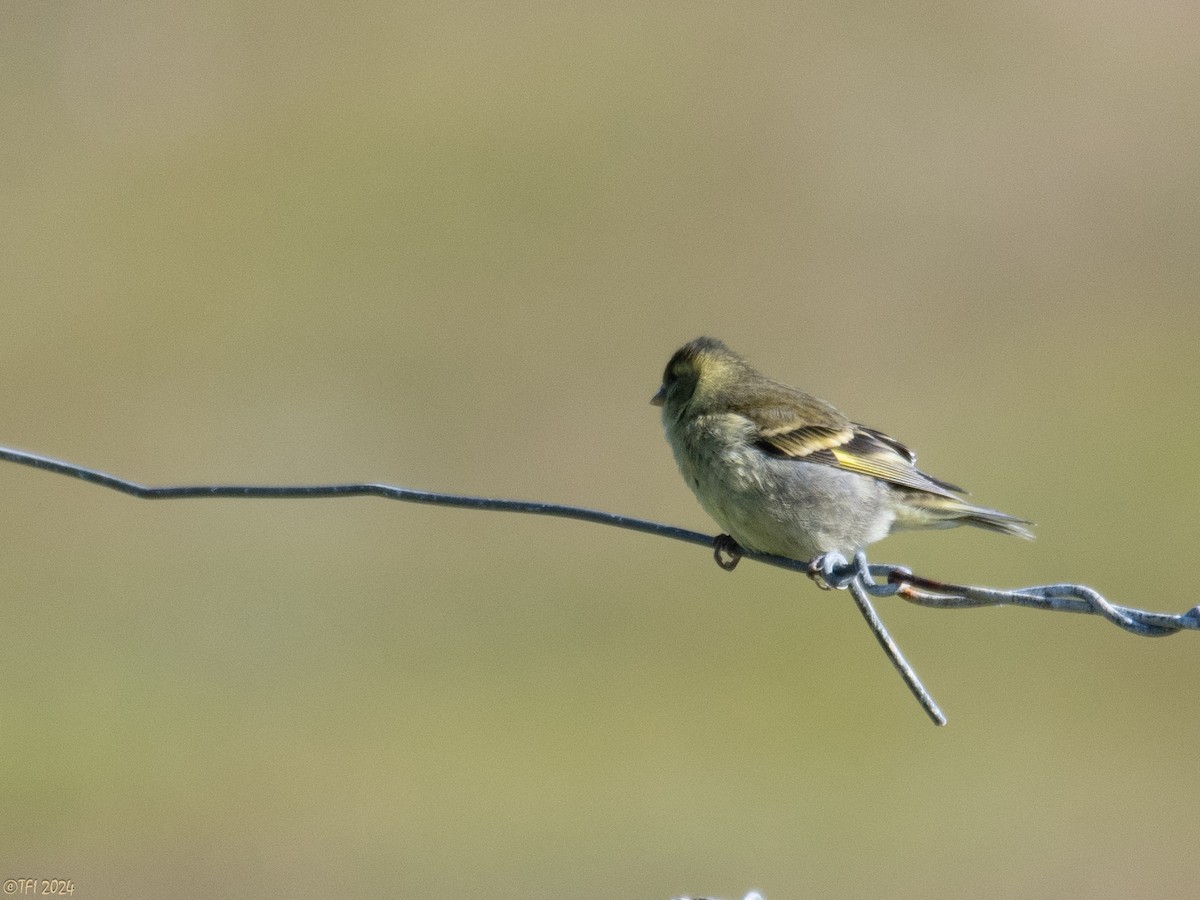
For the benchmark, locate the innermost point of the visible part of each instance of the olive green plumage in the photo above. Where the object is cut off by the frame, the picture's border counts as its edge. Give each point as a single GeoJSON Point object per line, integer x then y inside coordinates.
{"type": "Point", "coordinates": [786, 473]}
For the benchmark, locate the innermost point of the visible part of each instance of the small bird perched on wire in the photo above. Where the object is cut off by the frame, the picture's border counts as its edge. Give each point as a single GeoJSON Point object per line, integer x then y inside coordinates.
{"type": "Point", "coordinates": [785, 473]}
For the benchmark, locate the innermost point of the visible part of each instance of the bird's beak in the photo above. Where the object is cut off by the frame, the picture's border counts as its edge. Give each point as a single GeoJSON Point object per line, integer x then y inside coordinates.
{"type": "Point", "coordinates": [660, 398]}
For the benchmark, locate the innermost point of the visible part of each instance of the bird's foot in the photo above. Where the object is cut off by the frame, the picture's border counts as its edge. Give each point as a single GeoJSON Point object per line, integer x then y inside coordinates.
{"type": "Point", "coordinates": [830, 571]}
{"type": "Point", "coordinates": [727, 552]}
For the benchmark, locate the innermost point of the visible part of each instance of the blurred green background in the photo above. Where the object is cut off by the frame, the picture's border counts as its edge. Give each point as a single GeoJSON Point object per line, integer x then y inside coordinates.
{"type": "Point", "coordinates": [451, 246]}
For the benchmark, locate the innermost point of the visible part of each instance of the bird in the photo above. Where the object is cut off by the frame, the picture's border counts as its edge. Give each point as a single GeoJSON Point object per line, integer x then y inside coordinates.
{"type": "Point", "coordinates": [785, 473]}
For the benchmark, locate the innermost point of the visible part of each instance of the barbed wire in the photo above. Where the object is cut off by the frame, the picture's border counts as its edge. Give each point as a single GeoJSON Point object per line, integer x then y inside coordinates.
{"type": "Point", "coordinates": [831, 571]}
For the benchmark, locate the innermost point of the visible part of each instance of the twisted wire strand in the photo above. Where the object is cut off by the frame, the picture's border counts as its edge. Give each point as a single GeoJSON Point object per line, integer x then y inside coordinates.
{"type": "Point", "coordinates": [1064, 597]}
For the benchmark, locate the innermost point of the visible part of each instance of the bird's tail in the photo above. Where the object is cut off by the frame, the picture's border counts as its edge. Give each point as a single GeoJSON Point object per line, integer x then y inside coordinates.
{"type": "Point", "coordinates": [926, 510]}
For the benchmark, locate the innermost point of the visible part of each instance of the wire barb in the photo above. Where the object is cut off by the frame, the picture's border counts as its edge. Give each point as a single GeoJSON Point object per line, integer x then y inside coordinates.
{"type": "Point", "coordinates": [830, 570]}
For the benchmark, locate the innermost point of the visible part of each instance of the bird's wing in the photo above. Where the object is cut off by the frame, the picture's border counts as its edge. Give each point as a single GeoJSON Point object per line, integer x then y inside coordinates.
{"type": "Point", "coordinates": [837, 442]}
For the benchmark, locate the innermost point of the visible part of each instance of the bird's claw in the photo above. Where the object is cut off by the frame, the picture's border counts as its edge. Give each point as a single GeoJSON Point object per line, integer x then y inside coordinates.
{"type": "Point", "coordinates": [829, 570]}
{"type": "Point", "coordinates": [727, 552]}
